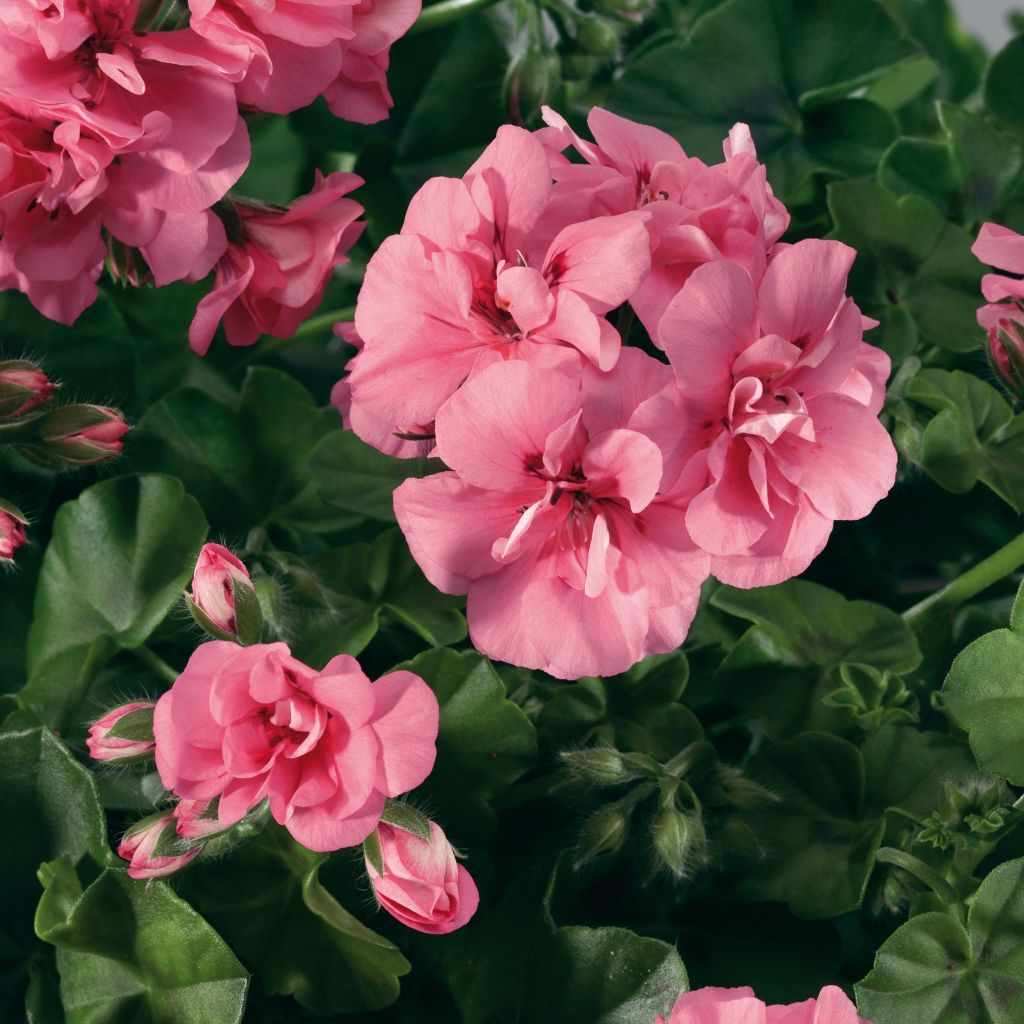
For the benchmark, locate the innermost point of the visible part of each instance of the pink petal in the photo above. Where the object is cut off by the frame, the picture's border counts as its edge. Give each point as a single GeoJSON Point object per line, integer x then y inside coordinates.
{"type": "Point", "coordinates": [623, 464]}
{"type": "Point", "coordinates": [1000, 247]}
{"type": "Point", "coordinates": [406, 723]}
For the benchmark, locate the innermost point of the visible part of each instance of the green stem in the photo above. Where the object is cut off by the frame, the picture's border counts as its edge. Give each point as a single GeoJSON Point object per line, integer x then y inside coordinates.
{"type": "Point", "coordinates": [156, 664]}
{"type": "Point", "coordinates": [446, 12]}
{"type": "Point", "coordinates": [909, 863]}
{"type": "Point", "coordinates": [313, 325]}
{"type": "Point", "coordinates": [964, 587]}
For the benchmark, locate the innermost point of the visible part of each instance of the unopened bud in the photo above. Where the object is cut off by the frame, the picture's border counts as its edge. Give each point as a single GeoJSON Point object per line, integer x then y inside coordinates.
{"type": "Point", "coordinates": [598, 36]}
{"type": "Point", "coordinates": [124, 734]}
{"type": "Point", "coordinates": [532, 81]}
{"type": "Point", "coordinates": [223, 600]}
{"type": "Point", "coordinates": [1006, 356]}
{"type": "Point", "coordinates": [679, 841]}
{"type": "Point", "coordinates": [81, 434]}
{"type": "Point", "coordinates": [197, 819]}
{"type": "Point", "coordinates": [604, 766]}
{"type": "Point", "coordinates": [12, 530]}
{"type": "Point", "coordinates": [604, 831]}
{"type": "Point", "coordinates": [154, 849]}
{"type": "Point", "coordinates": [23, 387]}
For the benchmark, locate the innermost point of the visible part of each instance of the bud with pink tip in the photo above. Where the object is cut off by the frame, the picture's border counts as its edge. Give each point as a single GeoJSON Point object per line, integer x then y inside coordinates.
{"type": "Point", "coordinates": [12, 530]}
{"type": "Point", "coordinates": [223, 600]}
{"type": "Point", "coordinates": [197, 819]}
{"type": "Point", "coordinates": [23, 387]}
{"type": "Point", "coordinates": [1006, 355]}
{"type": "Point", "coordinates": [154, 849]}
{"type": "Point", "coordinates": [81, 433]}
{"type": "Point", "coordinates": [124, 734]}
{"type": "Point", "coordinates": [415, 875]}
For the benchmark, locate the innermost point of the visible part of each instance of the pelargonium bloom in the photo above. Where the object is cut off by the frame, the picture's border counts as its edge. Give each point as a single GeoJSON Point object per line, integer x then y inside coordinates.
{"type": "Point", "coordinates": [741, 1006]}
{"type": "Point", "coordinates": [1003, 315]}
{"type": "Point", "coordinates": [327, 748]}
{"type": "Point", "coordinates": [213, 584]}
{"type": "Point", "coordinates": [474, 278]}
{"type": "Point", "coordinates": [698, 213]}
{"type": "Point", "coordinates": [553, 520]}
{"type": "Point", "coordinates": [422, 885]}
{"type": "Point", "coordinates": [786, 394]}
{"type": "Point", "coordinates": [278, 263]}
{"type": "Point", "coordinates": [153, 849]}
{"type": "Point", "coordinates": [297, 50]}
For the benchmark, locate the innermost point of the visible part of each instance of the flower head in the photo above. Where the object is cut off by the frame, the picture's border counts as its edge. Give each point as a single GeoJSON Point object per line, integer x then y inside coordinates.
{"type": "Point", "coordinates": [741, 1006]}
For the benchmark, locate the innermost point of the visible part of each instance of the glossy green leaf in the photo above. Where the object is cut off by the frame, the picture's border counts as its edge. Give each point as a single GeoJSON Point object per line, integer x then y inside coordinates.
{"type": "Point", "coordinates": [936, 969]}
{"type": "Point", "coordinates": [783, 666]}
{"type": "Point", "coordinates": [135, 951]}
{"type": "Point", "coordinates": [120, 555]}
{"type": "Point", "coordinates": [1002, 86]}
{"type": "Point", "coordinates": [484, 744]}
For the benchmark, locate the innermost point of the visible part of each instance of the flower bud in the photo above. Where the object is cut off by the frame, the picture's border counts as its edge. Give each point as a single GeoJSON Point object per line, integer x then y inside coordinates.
{"type": "Point", "coordinates": [532, 81]}
{"type": "Point", "coordinates": [153, 848]}
{"type": "Point", "coordinates": [598, 36]}
{"type": "Point", "coordinates": [1006, 356]}
{"type": "Point", "coordinates": [82, 433]}
{"type": "Point", "coordinates": [680, 843]}
{"type": "Point", "coordinates": [197, 819]}
{"type": "Point", "coordinates": [418, 881]}
{"type": "Point", "coordinates": [12, 530]}
{"type": "Point", "coordinates": [605, 831]}
{"type": "Point", "coordinates": [604, 766]}
{"type": "Point", "coordinates": [124, 734]}
{"type": "Point", "coordinates": [23, 387]}
{"type": "Point", "coordinates": [223, 600]}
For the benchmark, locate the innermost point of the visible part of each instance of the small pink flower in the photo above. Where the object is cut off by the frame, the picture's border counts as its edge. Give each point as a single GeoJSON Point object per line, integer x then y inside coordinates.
{"type": "Point", "coordinates": [479, 275]}
{"type": "Point", "coordinates": [12, 533]}
{"type": "Point", "coordinates": [555, 518]}
{"type": "Point", "coordinates": [1003, 315]}
{"type": "Point", "coordinates": [23, 387]}
{"type": "Point", "coordinates": [278, 263]}
{"type": "Point", "coordinates": [213, 582]}
{"type": "Point", "coordinates": [784, 395]}
{"type": "Point", "coordinates": [124, 734]}
{"type": "Point", "coordinates": [423, 886]}
{"type": "Point", "coordinates": [154, 849]}
{"type": "Point", "coordinates": [741, 1006]}
{"type": "Point", "coordinates": [327, 748]}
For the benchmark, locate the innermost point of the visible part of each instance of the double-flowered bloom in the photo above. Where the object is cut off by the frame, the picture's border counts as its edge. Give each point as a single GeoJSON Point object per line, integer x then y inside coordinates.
{"type": "Point", "coordinates": [741, 1006]}
{"type": "Point", "coordinates": [591, 488]}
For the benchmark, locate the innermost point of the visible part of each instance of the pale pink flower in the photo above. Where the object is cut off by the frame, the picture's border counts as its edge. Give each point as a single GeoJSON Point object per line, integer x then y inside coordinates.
{"type": "Point", "coordinates": [296, 50]}
{"type": "Point", "coordinates": [698, 213]}
{"type": "Point", "coordinates": [213, 583]}
{"type": "Point", "coordinates": [12, 534]}
{"type": "Point", "coordinates": [423, 886]}
{"type": "Point", "coordinates": [786, 394]}
{"type": "Point", "coordinates": [327, 748]}
{"type": "Point", "coordinates": [552, 519]}
{"type": "Point", "coordinates": [278, 263]}
{"type": "Point", "coordinates": [465, 285]}
{"type": "Point", "coordinates": [123, 734]}
{"type": "Point", "coordinates": [741, 1006]}
{"type": "Point", "coordinates": [153, 848]}
{"type": "Point", "coordinates": [1003, 315]}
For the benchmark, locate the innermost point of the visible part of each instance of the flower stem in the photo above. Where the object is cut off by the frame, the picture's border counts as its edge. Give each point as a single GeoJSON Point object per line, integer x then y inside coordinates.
{"type": "Point", "coordinates": [964, 587]}
{"type": "Point", "coordinates": [315, 324]}
{"type": "Point", "coordinates": [445, 12]}
{"type": "Point", "coordinates": [908, 862]}
{"type": "Point", "coordinates": [156, 664]}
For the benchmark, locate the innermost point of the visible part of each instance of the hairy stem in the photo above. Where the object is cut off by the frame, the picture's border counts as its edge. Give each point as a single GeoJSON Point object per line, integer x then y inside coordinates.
{"type": "Point", "coordinates": [964, 587]}
{"type": "Point", "coordinates": [156, 664]}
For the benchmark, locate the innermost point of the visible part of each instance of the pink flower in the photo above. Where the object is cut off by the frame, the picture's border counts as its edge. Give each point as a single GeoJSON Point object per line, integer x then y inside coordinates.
{"type": "Point", "coordinates": [554, 520]}
{"type": "Point", "coordinates": [697, 213]}
{"type": "Point", "coordinates": [296, 50]}
{"type": "Point", "coordinates": [278, 263]}
{"type": "Point", "coordinates": [153, 848]}
{"type": "Point", "coordinates": [213, 584]}
{"type": "Point", "coordinates": [472, 280]}
{"type": "Point", "coordinates": [422, 885]}
{"type": "Point", "coordinates": [1003, 315]}
{"type": "Point", "coordinates": [741, 1006]}
{"type": "Point", "coordinates": [12, 532]}
{"type": "Point", "coordinates": [23, 387]}
{"type": "Point", "coordinates": [327, 748]}
{"type": "Point", "coordinates": [124, 734]}
{"type": "Point", "coordinates": [785, 394]}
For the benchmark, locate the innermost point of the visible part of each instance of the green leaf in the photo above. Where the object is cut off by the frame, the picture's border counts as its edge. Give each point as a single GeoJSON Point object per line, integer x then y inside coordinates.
{"type": "Point", "coordinates": [133, 951]}
{"type": "Point", "coordinates": [973, 436]}
{"type": "Point", "coordinates": [936, 969]}
{"type": "Point", "coordinates": [783, 666]}
{"type": "Point", "coordinates": [245, 463]}
{"type": "Point", "coordinates": [798, 56]}
{"type": "Point", "coordinates": [820, 840]}
{"type": "Point", "coordinates": [484, 744]}
{"type": "Point", "coordinates": [340, 597]}
{"type": "Point", "coordinates": [909, 255]}
{"type": "Point", "coordinates": [267, 899]}
{"type": "Point", "coordinates": [1002, 86]}
{"type": "Point", "coordinates": [353, 476]}
{"type": "Point", "coordinates": [120, 555]}
{"type": "Point", "coordinates": [984, 695]}
{"type": "Point", "coordinates": [407, 818]}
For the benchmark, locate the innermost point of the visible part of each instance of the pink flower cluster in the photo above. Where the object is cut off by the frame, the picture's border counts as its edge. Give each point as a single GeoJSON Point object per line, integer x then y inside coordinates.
{"type": "Point", "coordinates": [1003, 315]}
{"type": "Point", "coordinates": [592, 487]}
{"type": "Point", "coordinates": [741, 1006]}
{"type": "Point", "coordinates": [119, 145]}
